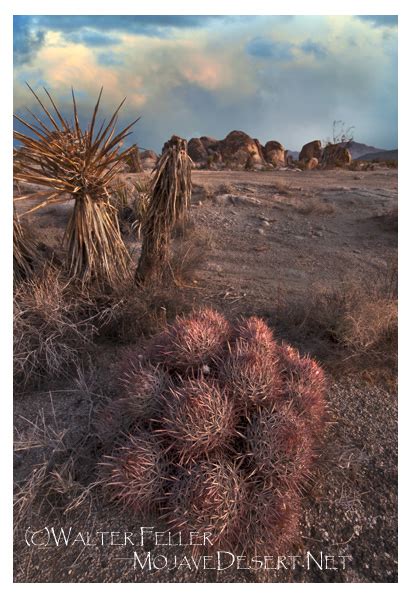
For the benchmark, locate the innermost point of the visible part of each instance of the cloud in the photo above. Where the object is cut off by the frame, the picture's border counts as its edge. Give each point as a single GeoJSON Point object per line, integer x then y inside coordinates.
{"type": "Point", "coordinates": [318, 50]}
{"type": "Point", "coordinates": [26, 40]}
{"type": "Point", "coordinates": [108, 59]}
{"type": "Point", "coordinates": [92, 38]}
{"type": "Point", "coordinates": [261, 47]}
{"type": "Point", "coordinates": [380, 20]}
{"type": "Point", "coordinates": [273, 77]}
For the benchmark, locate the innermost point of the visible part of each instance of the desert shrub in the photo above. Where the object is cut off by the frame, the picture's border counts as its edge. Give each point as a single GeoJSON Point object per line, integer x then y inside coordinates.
{"type": "Point", "coordinates": [230, 448]}
{"type": "Point", "coordinates": [282, 188]}
{"type": "Point", "coordinates": [53, 325]}
{"type": "Point", "coordinates": [190, 248]}
{"type": "Point", "coordinates": [314, 206]}
{"type": "Point", "coordinates": [352, 327]}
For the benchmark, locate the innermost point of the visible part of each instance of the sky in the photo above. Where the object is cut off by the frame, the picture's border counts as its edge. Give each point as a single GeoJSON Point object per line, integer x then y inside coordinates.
{"type": "Point", "coordinates": [284, 78]}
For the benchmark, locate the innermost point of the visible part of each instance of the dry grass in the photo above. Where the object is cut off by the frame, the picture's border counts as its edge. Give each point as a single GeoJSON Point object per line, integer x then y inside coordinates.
{"type": "Point", "coordinates": [190, 247]}
{"type": "Point", "coordinates": [131, 201]}
{"type": "Point", "coordinates": [53, 325]}
{"type": "Point", "coordinates": [353, 327]}
{"type": "Point", "coordinates": [314, 205]}
{"type": "Point", "coordinates": [66, 161]}
{"type": "Point", "coordinates": [55, 476]}
{"type": "Point", "coordinates": [25, 253]}
{"type": "Point", "coordinates": [281, 187]}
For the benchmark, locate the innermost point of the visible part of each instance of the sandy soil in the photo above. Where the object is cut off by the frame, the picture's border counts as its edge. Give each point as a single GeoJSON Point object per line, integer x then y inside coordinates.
{"type": "Point", "coordinates": [271, 233]}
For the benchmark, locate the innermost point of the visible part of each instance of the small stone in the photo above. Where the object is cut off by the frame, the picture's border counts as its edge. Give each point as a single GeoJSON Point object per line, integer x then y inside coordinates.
{"type": "Point", "coordinates": [260, 231]}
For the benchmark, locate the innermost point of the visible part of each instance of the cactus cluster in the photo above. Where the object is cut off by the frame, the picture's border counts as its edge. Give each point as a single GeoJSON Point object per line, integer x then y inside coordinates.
{"type": "Point", "coordinates": [223, 423]}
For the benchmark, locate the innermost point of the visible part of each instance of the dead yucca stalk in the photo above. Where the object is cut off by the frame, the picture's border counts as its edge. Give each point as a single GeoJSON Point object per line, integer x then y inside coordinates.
{"type": "Point", "coordinates": [170, 200]}
{"type": "Point", "coordinates": [25, 252]}
{"type": "Point", "coordinates": [68, 162]}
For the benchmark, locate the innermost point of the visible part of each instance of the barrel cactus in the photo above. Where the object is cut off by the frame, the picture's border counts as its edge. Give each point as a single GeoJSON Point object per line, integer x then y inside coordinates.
{"type": "Point", "coordinates": [235, 419]}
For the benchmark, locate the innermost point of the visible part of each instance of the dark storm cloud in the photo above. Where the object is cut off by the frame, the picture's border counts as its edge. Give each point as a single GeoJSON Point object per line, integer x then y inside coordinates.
{"type": "Point", "coordinates": [380, 20]}
{"type": "Point", "coordinates": [92, 38]}
{"type": "Point", "coordinates": [30, 31]}
{"type": "Point", "coordinates": [26, 41]}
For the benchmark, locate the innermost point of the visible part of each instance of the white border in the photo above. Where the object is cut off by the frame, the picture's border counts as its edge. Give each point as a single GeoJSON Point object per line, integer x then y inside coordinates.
{"type": "Point", "coordinates": [84, 7]}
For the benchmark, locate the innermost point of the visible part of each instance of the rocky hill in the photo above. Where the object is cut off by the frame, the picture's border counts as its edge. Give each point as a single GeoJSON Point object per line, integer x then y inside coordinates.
{"type": "Point", "coordinates": [236, 151]}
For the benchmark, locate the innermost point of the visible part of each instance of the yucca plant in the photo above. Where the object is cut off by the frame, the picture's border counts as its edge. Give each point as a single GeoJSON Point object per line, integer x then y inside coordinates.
{"type": "Point", "coordinates": [69, 162]}
{"type": "Point", "coordinates": [170, 200]}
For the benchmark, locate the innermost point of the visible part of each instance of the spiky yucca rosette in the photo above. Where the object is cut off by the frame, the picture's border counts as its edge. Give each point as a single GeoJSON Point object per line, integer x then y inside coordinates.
{"type": "Point", "coordinates": [68, 162]}
{"type": "Point", "coordinates": [209, 498]}
{"type": "Point", "coordinates": [191, 342]}
{"type": "Point", "coordinates": [236, 422]}
{"type": "Point", "coordinates": [280, 444]}
{"type": "Point", "coordinates": [134, 474]}
{"type": "Point", "coordinates": [198, 418]}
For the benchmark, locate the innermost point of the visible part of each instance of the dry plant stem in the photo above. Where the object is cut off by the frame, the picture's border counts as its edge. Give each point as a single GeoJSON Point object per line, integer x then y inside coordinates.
{"type": "Point", "coordinates": [170, 201]}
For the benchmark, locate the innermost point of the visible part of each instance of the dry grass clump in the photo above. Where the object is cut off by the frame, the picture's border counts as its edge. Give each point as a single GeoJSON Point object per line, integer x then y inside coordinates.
{"type": "Point", "coordinates": [314, 206]}
{"type": "Point", "coordinates": [198, 418]}
{"type": "Point", "coordinates": [68, 162]}
{"type": "Point", "coordinates": [353, 327]}
{"type": "Point", "coordinates": [52, 327]}
{"type": "Point", "coordinates": [243, 410]}
{"type": "Point", "coordinates": [227, 189]}
{"type": "Point", "coordinates": [281, 187]}
{"type": "Point", "coordinates": [190, 248]}
{"type": "Point", "coordinates": [25, 253]}
{"type": "Point", "coordinates": [134, 474]}
{"type": "Point", "coordinates": [131, 200]}
{"type": "Point", "coordinates": [53, 461]}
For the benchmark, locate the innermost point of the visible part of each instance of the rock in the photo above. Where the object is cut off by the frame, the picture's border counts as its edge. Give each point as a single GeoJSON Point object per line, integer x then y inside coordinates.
{"type": "Point", "coordinates": [239, 150]}
{"type": "Point", "coordinates": [311, 164]}
{"type": "Point", "coordinates": [260, 231]}
{"type": "Point", "coordinates": [311, 150]}
{"type": "Point", "coordinates": [275, 153]}
{"type": "Point", "coordinates": [148, 159]}
{"type": "Point", "coordinates": [197, 151]}
{"type": "Point", "coordinates": [335, 155]}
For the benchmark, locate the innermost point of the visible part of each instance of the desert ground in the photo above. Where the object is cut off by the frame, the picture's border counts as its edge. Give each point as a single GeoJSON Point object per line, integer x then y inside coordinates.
{"type": "Point", "coordinates": [313, 253]}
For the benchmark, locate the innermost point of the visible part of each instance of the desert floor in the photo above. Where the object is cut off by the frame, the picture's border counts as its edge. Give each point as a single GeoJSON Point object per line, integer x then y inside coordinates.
{"type": "Point", "coordinates": [275, 244]}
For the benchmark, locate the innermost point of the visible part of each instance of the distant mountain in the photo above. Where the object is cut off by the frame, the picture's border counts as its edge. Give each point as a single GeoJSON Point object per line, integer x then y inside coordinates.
{"type": "Point", "coordinates": [293, 153]}
{"type": "Point", "coordinates": [381, 155]}
{"type": "Point", "coordinates": [358, 150]}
